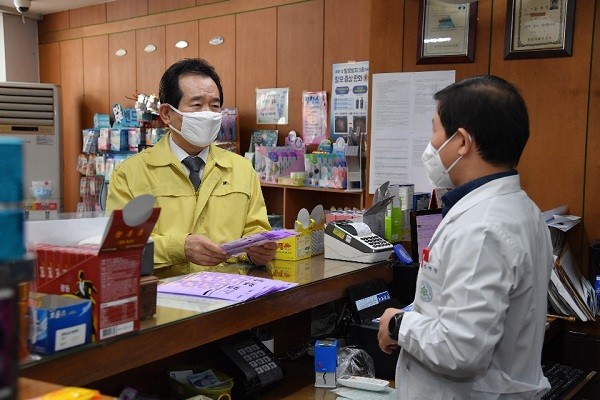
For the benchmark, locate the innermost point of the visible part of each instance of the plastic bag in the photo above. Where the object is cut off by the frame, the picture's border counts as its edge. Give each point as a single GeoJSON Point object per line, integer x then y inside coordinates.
{"type": "Point", "coordinates": [353, 361]}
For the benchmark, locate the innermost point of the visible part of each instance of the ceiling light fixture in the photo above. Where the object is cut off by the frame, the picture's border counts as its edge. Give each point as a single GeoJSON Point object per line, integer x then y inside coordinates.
{"type": "Point", "coordinates": [120, 52]}
{"type": "Point", "coordinates": [150, 48]}
{"type": "Point", "coordinates": [217, 40]}
{"type": "Point", "coordinates": [182, 44]}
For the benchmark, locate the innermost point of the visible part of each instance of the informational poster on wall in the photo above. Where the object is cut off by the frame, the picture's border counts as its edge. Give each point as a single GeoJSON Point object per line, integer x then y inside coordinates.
{"type": "Point", "coordinates": [403, 107]}
{"type": "Point", "coordinates": [272, 106]}
{"type": "Point", "coordinates": [349, 101]}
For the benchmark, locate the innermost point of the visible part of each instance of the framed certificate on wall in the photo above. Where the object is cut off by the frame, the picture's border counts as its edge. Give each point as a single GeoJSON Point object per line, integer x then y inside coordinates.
{"type": "Point", "coordinates": [539, 28]}
{"type": "Point", "coordinates": [446, 32]}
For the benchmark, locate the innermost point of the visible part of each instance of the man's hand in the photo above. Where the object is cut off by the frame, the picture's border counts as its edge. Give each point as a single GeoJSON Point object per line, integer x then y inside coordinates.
{"type": "Point", "coordinates": [386, 343]}
{"type": "Point", "coordinates": [202, 251]}
{"type": "Point", "coordinates": [260, 255]}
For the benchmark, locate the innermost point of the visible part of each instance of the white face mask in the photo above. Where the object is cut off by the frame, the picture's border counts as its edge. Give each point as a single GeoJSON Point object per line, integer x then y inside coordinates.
{"type": "Point", "coordinates": [436, 172]}
{"type": "Point", "coordinates": [198, 128]}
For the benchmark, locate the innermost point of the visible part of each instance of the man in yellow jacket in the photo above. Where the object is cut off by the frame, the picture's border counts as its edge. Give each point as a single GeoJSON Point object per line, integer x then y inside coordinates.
{"type": "Point", "coordinates": [207, 195]}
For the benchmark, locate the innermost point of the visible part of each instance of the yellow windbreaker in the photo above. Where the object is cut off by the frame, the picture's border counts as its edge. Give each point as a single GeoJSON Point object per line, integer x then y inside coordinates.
{"type": "Point", "coordinates": [228, 205]}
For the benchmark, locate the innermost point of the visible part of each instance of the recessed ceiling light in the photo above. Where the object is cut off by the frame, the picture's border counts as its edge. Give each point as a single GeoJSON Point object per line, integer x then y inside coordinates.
{"type": "Point", "coordinates": [217, 40]}
{"type": "Point", "coordinates": [120, 52]}
{"type": "Point", "coordinates": [182, 44]}
{"type": "Point", "coordinates": [150, 48]}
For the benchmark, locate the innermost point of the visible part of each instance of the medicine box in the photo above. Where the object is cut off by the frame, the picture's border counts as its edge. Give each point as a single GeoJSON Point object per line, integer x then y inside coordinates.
{"type": "Point", "coordinates": [295, 247]}
{"type": "Point", "coordinates": [299, 271]}
{"type": "Point", "coordinates": [59, 323]}
{"type": "Point", "coordinates": [109, 275]}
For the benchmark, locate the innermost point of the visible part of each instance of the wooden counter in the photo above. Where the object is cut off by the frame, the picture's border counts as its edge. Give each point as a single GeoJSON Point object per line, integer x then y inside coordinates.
{"type": "Point", "coordinates": [173, 331]}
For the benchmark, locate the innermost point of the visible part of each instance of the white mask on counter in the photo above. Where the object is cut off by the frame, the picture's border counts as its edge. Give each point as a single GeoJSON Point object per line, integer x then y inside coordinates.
{"type": "Point", "coordinates": [198, 128]}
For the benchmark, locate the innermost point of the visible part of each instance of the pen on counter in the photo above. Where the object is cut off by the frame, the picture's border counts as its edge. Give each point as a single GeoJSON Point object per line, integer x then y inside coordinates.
{"type": "Point", "coordinates": [569, 318]}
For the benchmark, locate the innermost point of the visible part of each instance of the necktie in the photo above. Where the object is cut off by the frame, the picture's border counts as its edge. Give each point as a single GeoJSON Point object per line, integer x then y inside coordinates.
{"type": "Point", "coordinates": [194, 164]}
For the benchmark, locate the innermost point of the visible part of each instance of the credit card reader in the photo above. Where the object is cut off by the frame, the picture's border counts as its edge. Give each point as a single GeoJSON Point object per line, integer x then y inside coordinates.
{"type": "Point", "coordinates": [354, 241]}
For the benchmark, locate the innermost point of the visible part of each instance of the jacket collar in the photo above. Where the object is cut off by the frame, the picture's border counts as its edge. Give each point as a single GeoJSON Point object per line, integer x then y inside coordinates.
{"type": "Point", "coordinates": [161, 155]}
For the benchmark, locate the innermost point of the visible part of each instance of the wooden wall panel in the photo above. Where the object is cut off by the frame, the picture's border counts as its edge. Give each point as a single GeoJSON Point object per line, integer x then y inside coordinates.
{"type": "Point", "coordinates": [299, 56]}
{"type": "Point", "coordinates": [50, 63]}
{"type": "Point", "coordinates": [591, 211]}
{"type": "Point", "coordinates": [95, 78]}
{"type": "Point", "coordinates": [385, 47]}
{"type": "Point", "coordinates": [347, 32]}
{"type": "Point", "coordinates": [122, 70]}
{"type": "Point", "coordinates": [158, 6]}
{"type": "Point", "coordinates": [256, 54]}
{"type": "Point", "coordinates": [71, 78]}
{"type": "Point", "coordinates": [187, 31]}
{"type": "Point", "coordinates": [222, 57]}
{"type": "Point", "coordinates": [87, 16]}
{"type": "Point", "coordinates": [556, 91]}
{"type": "Point", "coordinates": [124, 9]}
{"type": "Point", "coordinates": [54, 22]}
{"type": "Point", "coordinates": [149, 66]}
{"type": "Point", "coordinates": [203, 2]}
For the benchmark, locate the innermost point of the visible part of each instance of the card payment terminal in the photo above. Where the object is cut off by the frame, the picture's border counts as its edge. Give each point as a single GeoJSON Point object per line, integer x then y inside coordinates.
{"type": "Point", "coordinates": [354, 241]}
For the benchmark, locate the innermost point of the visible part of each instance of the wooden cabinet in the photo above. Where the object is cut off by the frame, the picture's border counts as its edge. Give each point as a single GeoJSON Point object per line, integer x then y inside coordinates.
{"type": "Point", "coordinates": [288, 200]}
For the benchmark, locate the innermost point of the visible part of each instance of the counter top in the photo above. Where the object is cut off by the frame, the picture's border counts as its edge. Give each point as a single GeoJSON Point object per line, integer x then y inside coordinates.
{"type": "Point", "coordinates": [322, 281]}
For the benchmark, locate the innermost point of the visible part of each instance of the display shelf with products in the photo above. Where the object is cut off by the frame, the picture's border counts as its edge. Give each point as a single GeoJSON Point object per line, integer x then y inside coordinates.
{"type": "Point", "coordinates": [288, 200]}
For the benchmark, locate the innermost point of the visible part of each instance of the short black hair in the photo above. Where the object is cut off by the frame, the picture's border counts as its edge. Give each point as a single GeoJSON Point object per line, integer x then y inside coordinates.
{"type": "Point", "coordinates": [169, 90]}
{"type": "Point", "coordinates": [493, 111]}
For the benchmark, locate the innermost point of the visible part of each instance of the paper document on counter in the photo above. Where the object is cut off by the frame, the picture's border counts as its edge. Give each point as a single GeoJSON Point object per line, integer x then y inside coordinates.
{"type": "Point", "coordinates": [220, 285]}
{"type": "Point", "coordinates": [191, 303]}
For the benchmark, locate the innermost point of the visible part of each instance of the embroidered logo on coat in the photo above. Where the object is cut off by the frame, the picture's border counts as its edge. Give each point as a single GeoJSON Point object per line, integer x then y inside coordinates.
{"type": "Point", "coordinates": [425, 291]}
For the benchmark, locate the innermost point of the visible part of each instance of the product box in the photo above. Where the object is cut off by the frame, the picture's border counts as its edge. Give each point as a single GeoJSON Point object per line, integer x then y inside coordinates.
{"type": "Point", "coordinates": [59, 323]}
{"type": "Point", "coordinates": [294, 247]}
{"type": "Point", "coordinates": [291, 271]}
{"type": "Point", "coordinates": [111, 276]}
{"type": "Point", "coordinates": [101, 121]}
{"type": "Point", "coordinates": [119, 140]}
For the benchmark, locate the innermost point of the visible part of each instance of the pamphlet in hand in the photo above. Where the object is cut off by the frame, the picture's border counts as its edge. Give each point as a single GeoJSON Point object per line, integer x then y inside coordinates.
{"type": "Point", "coordinates": [239, 246]}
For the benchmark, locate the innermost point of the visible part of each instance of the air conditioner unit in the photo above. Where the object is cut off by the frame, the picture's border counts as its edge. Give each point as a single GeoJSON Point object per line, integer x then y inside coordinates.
{"type": "Point", "coordinates": [31, 112]}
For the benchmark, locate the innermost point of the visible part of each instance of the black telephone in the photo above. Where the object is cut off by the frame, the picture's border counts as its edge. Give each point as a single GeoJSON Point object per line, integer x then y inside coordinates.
{"type": "Point", "coordinates": [252, 364]}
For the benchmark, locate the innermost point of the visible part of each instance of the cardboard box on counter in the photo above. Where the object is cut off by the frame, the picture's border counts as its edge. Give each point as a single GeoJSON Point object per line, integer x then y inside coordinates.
{"type": "Point", "coordinates": [59, 323]}
{"type": "Point", "coordinates": [294, 248]}
{"type": "Point", "coordinates": [111, 276]}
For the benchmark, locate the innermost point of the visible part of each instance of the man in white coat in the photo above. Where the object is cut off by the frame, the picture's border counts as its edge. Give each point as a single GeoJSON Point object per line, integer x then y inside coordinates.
{"type": "Point", "coordinates": [477, 324]}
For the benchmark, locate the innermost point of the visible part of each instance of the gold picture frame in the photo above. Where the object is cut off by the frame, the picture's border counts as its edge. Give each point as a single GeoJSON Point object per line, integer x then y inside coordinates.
{"type": "Point", "coordinates": [539, 29]}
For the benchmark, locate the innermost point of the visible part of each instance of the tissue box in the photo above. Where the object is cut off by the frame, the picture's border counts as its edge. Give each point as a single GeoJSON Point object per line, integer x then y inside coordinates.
{"type": "Point", "coordinates": [294, 248]}
{"type": "Point", "coordinates": [59, 323]}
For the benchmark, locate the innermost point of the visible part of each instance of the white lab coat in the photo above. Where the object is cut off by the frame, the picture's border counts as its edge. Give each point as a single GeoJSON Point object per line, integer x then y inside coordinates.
{"type": "Point", "coordinates": [477, 326]}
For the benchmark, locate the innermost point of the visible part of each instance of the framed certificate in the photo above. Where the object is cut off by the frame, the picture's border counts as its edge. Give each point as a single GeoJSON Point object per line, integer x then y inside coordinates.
{"type": "Point", "coordinates": [539, 28]}
{"type": "Point", "coordinates": [446, 32]}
